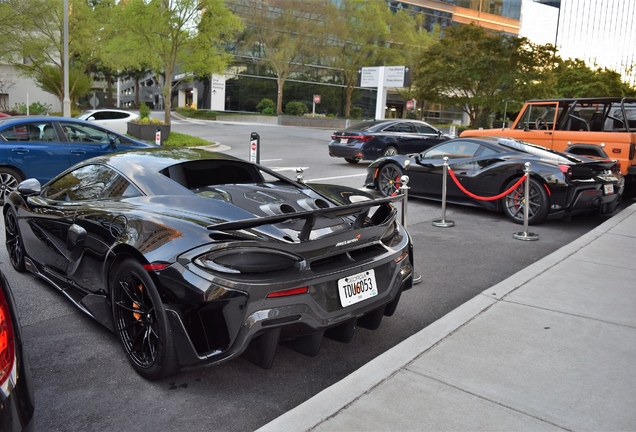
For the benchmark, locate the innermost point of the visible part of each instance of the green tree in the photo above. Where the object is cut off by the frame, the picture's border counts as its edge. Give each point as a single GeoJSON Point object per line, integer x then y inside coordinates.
{"type": "Point", "coordinates": [32, 41]}
{"type": "Point", "coordinates": [284, 34]}
{"type": "Point", "coordinates": [575, 79]}
{"type": "Point", "coordinates": [168, 37]}
{"type": "Point", "coordinates": [408, 41]}
{"type": "Point", "coordinates": [480, 71]}
{"type": "Point", "coordinates": [359, 30]}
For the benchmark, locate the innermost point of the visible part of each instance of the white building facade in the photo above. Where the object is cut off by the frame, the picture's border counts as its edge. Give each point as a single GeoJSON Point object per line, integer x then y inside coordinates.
{"type": "Point", "coordinates": [600, 32]}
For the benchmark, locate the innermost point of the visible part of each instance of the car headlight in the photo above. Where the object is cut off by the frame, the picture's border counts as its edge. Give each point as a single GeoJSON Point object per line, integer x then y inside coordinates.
{"type": "Point", "coordinates": [247, 261]}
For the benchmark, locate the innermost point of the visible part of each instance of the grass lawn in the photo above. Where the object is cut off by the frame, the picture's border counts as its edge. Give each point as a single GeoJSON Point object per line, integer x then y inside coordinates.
{"type": "Point", "coordinates": [177, 139]}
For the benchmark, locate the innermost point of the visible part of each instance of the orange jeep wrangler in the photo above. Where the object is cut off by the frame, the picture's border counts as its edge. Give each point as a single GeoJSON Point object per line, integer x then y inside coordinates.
{"type": "Point", "coordinates": [604, 127]}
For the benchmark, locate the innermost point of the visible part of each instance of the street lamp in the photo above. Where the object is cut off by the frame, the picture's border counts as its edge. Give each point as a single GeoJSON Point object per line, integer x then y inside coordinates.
{"type": "Point", "coordinates": [66, 109]}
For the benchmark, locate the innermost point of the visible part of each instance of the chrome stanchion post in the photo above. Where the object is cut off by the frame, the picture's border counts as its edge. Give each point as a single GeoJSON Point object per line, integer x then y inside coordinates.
{"type": "Point", "coordinates": [525, 235]}
{"type": "Point", "coordinates": [404, 190]}
{"type": "Point", "coordinates": [443, 222]}
{"type": "Point", "coordinates": [299, 175]}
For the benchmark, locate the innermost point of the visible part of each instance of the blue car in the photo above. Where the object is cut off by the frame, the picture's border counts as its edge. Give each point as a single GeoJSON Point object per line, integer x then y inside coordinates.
{"type": "Point", "coordinates": [43, 146]}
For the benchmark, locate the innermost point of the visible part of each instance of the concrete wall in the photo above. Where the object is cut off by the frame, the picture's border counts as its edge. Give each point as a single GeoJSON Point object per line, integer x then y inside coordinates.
{"type": "Point", "coordinates": [23, 90]}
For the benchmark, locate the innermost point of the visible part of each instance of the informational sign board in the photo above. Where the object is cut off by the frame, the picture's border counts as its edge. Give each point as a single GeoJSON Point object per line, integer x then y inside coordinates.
{"type": "Point", "coordinates": [382, 77]}
{"type": "Point", "coordinates": [217, 96]}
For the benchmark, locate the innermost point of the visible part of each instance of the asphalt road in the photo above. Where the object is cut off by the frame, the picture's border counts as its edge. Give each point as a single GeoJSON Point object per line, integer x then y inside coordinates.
{"type": "Point", "coordinates": [84, 382]}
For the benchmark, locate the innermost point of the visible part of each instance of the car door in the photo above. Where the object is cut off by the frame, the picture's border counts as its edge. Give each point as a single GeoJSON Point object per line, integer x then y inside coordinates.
{"type": "Point", "coordinates": [113, 120]}
{"type": "Point", "coordinates": [427, 178]}
{"type": "Point", "coordinates": [69, 228]}
{"type": "Point", "coordinates": [427, 137]}
{"type": "Point", "coordinates": [400, 135]}
{"type": "Point", "coordinates": [86, 141]}
{"type": "Point", "coordinates": [536, 123]}
{"type": "Point", "coordinates": [35, 148]}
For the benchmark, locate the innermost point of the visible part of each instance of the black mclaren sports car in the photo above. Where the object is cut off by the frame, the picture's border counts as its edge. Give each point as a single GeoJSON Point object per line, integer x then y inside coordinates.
{"type": "Point", "coordinates": [194, 257]}
{"type": "Point", "coordinates": [561, 184]}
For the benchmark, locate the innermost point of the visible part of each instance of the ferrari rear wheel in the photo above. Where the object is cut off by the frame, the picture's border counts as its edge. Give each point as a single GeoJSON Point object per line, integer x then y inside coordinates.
{"type": "Point", "coordinates": [141, 324]}
{"type": "Point", "coordinates": [515, 202]}
{"type": "Point", "coordinates": [389, 180]}
{"type": "Point", "coordinates": [352, 160]}
{"type": "Point", "coordinates": [13, 240]}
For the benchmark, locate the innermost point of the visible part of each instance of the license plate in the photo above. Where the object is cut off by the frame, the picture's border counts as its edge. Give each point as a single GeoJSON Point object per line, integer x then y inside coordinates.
{"type": "Point", "coordinates": [357, 287]}
{"type": "Point", "coordinates": [608, 189]}
{"type": "Point", "coordinates": [344, 140]}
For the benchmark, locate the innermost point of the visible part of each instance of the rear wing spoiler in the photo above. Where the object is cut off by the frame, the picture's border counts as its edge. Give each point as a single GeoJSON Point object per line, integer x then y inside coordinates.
{"type": "Point", "coordinates": [361, 209]}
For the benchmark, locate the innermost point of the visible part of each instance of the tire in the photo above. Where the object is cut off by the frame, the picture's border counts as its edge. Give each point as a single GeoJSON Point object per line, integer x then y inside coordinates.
{"type": "Point", "coordinates": [13, 240]}
{"type": "Point", "coordinates": [390, 151]}
{"type": "Point", "coordinates": [389, 180]}
{"type": "Point", "coordinates": [513, 203]}
{"type": "Point", "coordinates": [352, 160]}
{"type": "Point", "coordinates": [9, 180]}
{"type": "Point", "coordinates": [141, 324]}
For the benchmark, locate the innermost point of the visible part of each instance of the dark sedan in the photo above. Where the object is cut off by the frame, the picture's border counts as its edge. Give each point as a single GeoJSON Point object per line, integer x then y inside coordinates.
{"type": "Point", "coordinates": [195, 257]}
{"type": "Point", "coordinates": [561, 184]}
{"type": "Point", "coordinates": [16, 384]}
{"type": "Point", "coordinates": [43, 146]}
{"type": "Point", "coordinates": [370, 140]}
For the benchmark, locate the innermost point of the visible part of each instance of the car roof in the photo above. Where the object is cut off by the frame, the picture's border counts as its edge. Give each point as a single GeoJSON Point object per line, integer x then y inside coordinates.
{"type": "Point", "coordinates": [90, 111]}
{"type": "Point", "coordinates": [376, 124]}
{"type": "Point", "coordinates": [38, 118]}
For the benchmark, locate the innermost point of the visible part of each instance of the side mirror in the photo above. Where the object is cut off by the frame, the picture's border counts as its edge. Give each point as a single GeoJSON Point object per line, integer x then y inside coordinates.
{"type": "Point", "coordinates": [29, 187]}
{"type": "Point", "coordinates": [91, 118]}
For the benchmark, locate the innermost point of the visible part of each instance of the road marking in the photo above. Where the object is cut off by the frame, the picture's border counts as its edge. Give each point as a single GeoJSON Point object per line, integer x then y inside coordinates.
{"type": "Point", "coordinates": [339, 177]}
{"type": "Point", "coordinates": [277, 169]}
{"type": "Point", "coordinates": [269, 160]}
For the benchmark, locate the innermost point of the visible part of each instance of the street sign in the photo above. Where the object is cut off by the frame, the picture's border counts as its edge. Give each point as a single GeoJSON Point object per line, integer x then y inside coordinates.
{"type": "Point", "coordinates": [410, 104]}
{"type": "Point", "coordinates": [316, 98]}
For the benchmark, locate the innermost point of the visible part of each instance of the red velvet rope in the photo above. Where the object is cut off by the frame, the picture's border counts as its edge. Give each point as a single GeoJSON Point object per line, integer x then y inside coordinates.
{"type": "Point", "coordinates": [472, 195]}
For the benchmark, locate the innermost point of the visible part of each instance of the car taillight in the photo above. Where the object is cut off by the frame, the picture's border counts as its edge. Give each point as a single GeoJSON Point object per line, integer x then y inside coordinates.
{"type": "Point", "coordinates": [334, 136]}
{"type": "Point", "coordinates": [287, 293]}
{"type": "Point", "coordinates": [363, 138]}
{"type": "Point", "coordinates": [566, 169]}
{"type": "Point", "coordinates": [7, 347]}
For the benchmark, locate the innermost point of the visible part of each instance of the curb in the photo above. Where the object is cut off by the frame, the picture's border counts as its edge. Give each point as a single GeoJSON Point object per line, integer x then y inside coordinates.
{"type": "Point", "coordinates": [337, 397]}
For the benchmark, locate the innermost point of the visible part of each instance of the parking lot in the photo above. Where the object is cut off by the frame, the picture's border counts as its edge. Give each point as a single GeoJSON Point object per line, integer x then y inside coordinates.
{"type": "Point", "coordinates": [84, 382]}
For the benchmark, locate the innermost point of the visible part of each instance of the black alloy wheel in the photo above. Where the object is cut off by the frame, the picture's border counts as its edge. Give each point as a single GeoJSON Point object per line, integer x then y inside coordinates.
{"type": "Point", "coordinates": [514, 203]}
{"type": "Point", "coordinates": [352, 160]}
{"type": "Point", "coordinates": [389, 180]}
{"type": "Point", "coordinates": [9, 180]}
{"type": "Point", "coordinates": [13, 240]}
{"type": "Point", "coordinates": [140, 322]}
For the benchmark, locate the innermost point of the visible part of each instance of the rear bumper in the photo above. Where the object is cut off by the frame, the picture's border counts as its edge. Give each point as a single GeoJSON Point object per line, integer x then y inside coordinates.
{"type": "Point", "coordinates": [246, 322]}
{"type": "Point", "coordinates": [345, 150]}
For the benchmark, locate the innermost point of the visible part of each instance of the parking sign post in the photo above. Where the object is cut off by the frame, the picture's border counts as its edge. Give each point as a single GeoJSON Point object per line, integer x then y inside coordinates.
{"type": "Point", "coordinates": [255, 148]}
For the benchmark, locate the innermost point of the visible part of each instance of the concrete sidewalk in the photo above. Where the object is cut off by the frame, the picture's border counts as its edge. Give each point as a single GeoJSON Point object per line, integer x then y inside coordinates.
{"type": "Point", "coordinates": [553, 347]}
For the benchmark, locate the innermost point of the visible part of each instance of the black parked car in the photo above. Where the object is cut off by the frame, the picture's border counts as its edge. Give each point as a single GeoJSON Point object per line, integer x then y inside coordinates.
{"type": "Point", "coordinates": [370, 140]}
{"type": "Point", "coordinates": [561, 184]}
{"type": "Point", "coordinates": [16, 384]}
{"type": "Point", "coordinates": [196, 257]}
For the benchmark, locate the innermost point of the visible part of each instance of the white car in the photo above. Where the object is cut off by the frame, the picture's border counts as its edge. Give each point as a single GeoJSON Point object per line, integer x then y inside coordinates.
{"type": "Point", "coordinates": [113, 119]}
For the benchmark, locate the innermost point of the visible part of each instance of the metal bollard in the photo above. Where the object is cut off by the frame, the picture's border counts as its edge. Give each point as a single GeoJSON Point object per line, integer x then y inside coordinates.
{"type": "Point", "coordinates": [299, 175]}
{"type": "Point", "coordinates": [443, 223]}
{"type": "Point", "coordinates": [525, 235]}
{"type": "Point", "coordinates": [404, 189]}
